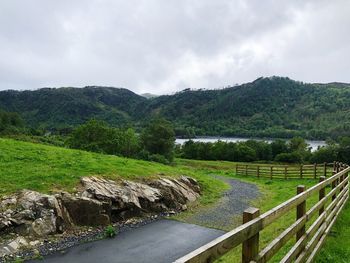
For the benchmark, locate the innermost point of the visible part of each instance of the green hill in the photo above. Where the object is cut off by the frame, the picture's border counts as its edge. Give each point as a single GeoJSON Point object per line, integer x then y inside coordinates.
{"type": "Point", "coordinates": [55, 108]}
{"type": "Point", "coordinates": [44, 168]}
{"type": "Point", "coordinates": [266, 107]}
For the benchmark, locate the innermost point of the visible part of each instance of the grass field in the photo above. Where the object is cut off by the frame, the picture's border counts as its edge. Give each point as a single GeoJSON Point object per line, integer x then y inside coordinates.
{"type": "Point", "coordinates": [47, 169]}
{"type": "Point", "coordinates": [44, 168]}
{"type": "Point", "coordinates": [337, 246]}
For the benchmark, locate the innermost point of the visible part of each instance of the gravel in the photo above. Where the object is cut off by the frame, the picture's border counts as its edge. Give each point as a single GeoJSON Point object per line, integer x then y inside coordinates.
{"type": "Point", "coordinates": [227, 212]}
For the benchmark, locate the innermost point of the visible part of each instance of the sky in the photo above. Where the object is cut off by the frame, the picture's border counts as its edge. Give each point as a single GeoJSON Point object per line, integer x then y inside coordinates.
{"type": "Point", "coordinates": [164, 46]}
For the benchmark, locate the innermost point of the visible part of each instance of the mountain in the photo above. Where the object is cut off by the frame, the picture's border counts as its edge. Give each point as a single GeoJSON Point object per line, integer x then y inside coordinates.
{"type": "Point", "coordinates": [149, 95]}
{"type": "Point", "coordinates": [56, 108]}
{"type": "Point", "coordinates": [268, 107]}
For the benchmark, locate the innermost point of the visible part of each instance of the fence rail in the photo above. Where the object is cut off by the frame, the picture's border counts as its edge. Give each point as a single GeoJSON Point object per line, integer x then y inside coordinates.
{"type": "Point", "coordinates": [321, 216]}
{"type": "Point", "coordinates": [285, 171]}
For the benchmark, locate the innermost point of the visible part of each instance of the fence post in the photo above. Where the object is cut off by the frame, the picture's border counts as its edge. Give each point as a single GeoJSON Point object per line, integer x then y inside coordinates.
{"type": "Point", "coordinates": [236, 169]}
{"type": "Point", "coordinates": [250, 247]}
{"type": "Point", "coordinates": [301, 171]}
{"type": "Point", "coordinates": [322, 194]}
{"type": "Point", "coordinates": [334, 183]}
{"type": "Point", "coordinates": [246, 169]}
{"type": "Point", "coordinates": [325, 169]}
{"type": "Point", "coordinates": [271, 172]}
{"type": "Point", "coordinates": [315, 170]}
{"type": "Point", "coordinates": [301, 210]}
{"type": "Point", "coordinates": [257, 171]}
{"type": "Point", "coordinates": [285, 172]}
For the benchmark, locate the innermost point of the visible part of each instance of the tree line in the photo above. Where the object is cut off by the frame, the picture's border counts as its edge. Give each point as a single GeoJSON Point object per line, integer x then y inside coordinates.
{"type": "Point", "coordinates": [156, 142]}
{"type": "Point", "coordinates": [295, 150]}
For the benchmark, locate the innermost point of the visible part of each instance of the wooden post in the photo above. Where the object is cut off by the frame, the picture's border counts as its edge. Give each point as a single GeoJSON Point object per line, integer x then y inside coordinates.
{"type": "Point", "coordinates": [301, 210]}
{"type": "Point", "coordinates": [257, 171]}
{"type": "Point", "coordinates": [325, 169]}
{"type": "Point", "coordinates": [250, 247]}
{"type": "Point", "coordinates": [236, 169]}
{"type": "Point", "coordinates": [334, 184]}
{"type": "Point", "coordinates": [301, 171]}
{"type": "Point", "coordinates": [271, 172]}
{"type": "Point", "coordinates": [321, 194]}
{"type": "Point", "coordinates": [315, 170]}
{"type": "Point", "coordinates": [285, 172]}
{"type": "Point", "coordinates": [246, 169]}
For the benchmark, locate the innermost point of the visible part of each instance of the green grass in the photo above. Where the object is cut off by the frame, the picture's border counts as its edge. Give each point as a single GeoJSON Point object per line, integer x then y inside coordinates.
{"type": "Point", "coordinates": [337, 245]}
{"type": "Point", "coordinates": [25, 165]}
{"type": "Point", "coordinates": [274, 192]}
{"type": "Point", "coordinates": [43, 168]}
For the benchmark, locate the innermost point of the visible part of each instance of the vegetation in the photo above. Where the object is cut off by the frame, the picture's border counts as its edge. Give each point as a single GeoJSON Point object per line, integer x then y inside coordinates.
{"type": "Point", "coordinates": [10, 123]}
{"type": "Point", "coordinates": [46, 169]}
{"type": "Point", "coordinates": [158, 139]}
{"type": "Point", "coordinates": [97, 136]}
{"type": "Point", "coordinates": [156, 142]}
{"type": "Point", "coordinates": [267, 107]}
{"type": "Point", "coordinates": [110, 231]}
{"type": "Point", "coordinates": [274, 193]}
{"type": "Point", "coordinates": [336, 247]}
{"type": "Point", "coordinates": [293, 151]}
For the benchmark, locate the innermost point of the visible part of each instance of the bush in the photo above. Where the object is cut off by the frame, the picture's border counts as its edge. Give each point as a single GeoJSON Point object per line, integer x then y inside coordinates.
{"type": "Point", "coordinates": [110, 232]}
{"type": "Point", "coordinates": [293, 157]}
{"type": "Point", "coordinates": [158, 158]}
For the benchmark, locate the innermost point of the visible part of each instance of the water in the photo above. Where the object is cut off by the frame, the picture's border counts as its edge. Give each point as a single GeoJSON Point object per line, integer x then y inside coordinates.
{"type": "Point", "coordinates": [313, 144]}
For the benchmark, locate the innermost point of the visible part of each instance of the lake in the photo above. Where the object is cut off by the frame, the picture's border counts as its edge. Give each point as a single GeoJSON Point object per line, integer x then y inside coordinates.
{"type": "Point", "coordinates": [313, 144]}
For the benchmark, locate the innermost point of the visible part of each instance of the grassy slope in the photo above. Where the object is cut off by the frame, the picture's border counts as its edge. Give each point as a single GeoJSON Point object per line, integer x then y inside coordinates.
{"type": "Point", "coordinates": [45, 168]}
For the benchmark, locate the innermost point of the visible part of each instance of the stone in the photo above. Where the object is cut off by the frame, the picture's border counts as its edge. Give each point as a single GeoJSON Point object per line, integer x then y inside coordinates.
{"type": "Point", "coordinates": [34, 243]}
{"type": "Point", "coordinates": [86, 211]}
{"type": "Point", "coordinates": [99, 202]}
{"type": "Point", "coordinates": [44, 226]}
{"type": "Point", "coordinates": [13, 246]}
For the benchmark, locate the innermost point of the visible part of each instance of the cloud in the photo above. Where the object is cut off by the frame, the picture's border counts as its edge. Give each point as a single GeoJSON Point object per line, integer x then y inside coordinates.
{"type": "Point", "coordinates": [165, 46]}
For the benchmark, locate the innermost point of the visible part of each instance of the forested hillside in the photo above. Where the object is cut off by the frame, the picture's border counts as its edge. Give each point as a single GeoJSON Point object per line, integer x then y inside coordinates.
{"type": "Point", "coordinates": [64, 107]}
{"type": "Point", "coordinates": [269, 107]}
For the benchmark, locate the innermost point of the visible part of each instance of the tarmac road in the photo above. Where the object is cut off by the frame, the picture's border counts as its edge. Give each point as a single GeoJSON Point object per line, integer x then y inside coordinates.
{"type": "Point", "coordinates": [160, 241]}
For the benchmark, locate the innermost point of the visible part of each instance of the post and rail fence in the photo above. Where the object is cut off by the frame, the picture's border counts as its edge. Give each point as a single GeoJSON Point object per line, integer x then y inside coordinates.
{"type": "Point", "coordinates": [286, 171]}
{"type": "Point", "coordinates": [309, 229]}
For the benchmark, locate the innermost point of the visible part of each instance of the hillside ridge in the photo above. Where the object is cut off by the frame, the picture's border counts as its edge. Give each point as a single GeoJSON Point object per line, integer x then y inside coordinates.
{"type": "Point", "coordinates": [265, 107]}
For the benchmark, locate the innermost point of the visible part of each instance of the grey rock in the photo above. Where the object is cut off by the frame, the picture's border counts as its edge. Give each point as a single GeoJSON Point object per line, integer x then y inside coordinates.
{"type": "Point", "coordinates": [100, 202]}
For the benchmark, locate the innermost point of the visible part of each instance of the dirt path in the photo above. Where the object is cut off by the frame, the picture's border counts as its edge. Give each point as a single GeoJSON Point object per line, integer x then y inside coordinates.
{"type": "Point", "coordinates": [227, 212]}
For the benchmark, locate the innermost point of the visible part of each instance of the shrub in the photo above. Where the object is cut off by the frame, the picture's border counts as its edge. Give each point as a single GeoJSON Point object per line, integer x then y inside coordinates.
{"type": "Point", "coordinates": [110, 231]}
{"type": "Point", "coordinates": [293, 157]}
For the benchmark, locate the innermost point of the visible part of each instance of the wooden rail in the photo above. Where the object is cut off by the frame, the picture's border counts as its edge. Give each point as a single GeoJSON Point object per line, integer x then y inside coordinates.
{"type": "Point", "coordinates": [321, 216]}
{"type": "Point", "coordinates": [286, 171]}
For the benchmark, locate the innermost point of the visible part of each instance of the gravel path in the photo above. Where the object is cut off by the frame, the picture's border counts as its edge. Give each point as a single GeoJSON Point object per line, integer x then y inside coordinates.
{"type": "Point", "coordinates": [227, 212]}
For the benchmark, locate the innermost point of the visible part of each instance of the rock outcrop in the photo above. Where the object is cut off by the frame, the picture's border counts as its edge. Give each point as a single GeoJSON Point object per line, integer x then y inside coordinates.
{"type": "Point", "coordinates": [98, 203]}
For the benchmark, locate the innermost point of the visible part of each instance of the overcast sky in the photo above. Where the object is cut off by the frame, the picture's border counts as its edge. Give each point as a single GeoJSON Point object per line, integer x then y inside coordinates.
{"type": "Point", "coordinates": [162, 46]}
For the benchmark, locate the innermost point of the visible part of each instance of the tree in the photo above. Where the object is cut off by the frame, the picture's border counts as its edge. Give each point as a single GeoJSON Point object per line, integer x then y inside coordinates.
{"type": "Point", "coordinates": [95, 136]}
{"type": "Point", "coordinates": [159, 138]}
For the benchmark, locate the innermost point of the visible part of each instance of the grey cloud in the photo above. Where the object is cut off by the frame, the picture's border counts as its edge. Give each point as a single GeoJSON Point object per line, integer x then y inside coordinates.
{"type": "Point", "coordinates": [164, 46]}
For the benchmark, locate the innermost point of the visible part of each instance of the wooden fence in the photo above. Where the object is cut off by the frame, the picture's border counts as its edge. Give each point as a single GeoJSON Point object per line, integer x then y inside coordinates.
{"type": "Point", "coordinates": [286, 171]}
{"type": "Point", "coordinates": [309, 237]}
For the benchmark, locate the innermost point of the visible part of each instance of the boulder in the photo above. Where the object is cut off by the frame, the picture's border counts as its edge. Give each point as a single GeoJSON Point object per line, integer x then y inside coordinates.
{"type": "Point", "coordinates": [86, 211]}
{"type": "Point", "coordinates": [100, 202]}
{"type": "Point", "coordinates": [13, 246]}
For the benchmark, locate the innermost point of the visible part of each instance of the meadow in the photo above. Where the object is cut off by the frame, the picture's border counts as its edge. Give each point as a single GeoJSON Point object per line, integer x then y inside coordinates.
{"type": "Point", "coordinates": [44, 168]}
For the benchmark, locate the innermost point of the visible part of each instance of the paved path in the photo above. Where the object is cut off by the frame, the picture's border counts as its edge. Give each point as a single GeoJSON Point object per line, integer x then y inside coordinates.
{"type": "Point", "coordinates": [162, 241]}
{"type": "Point", "coordinates": [229, 209]}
